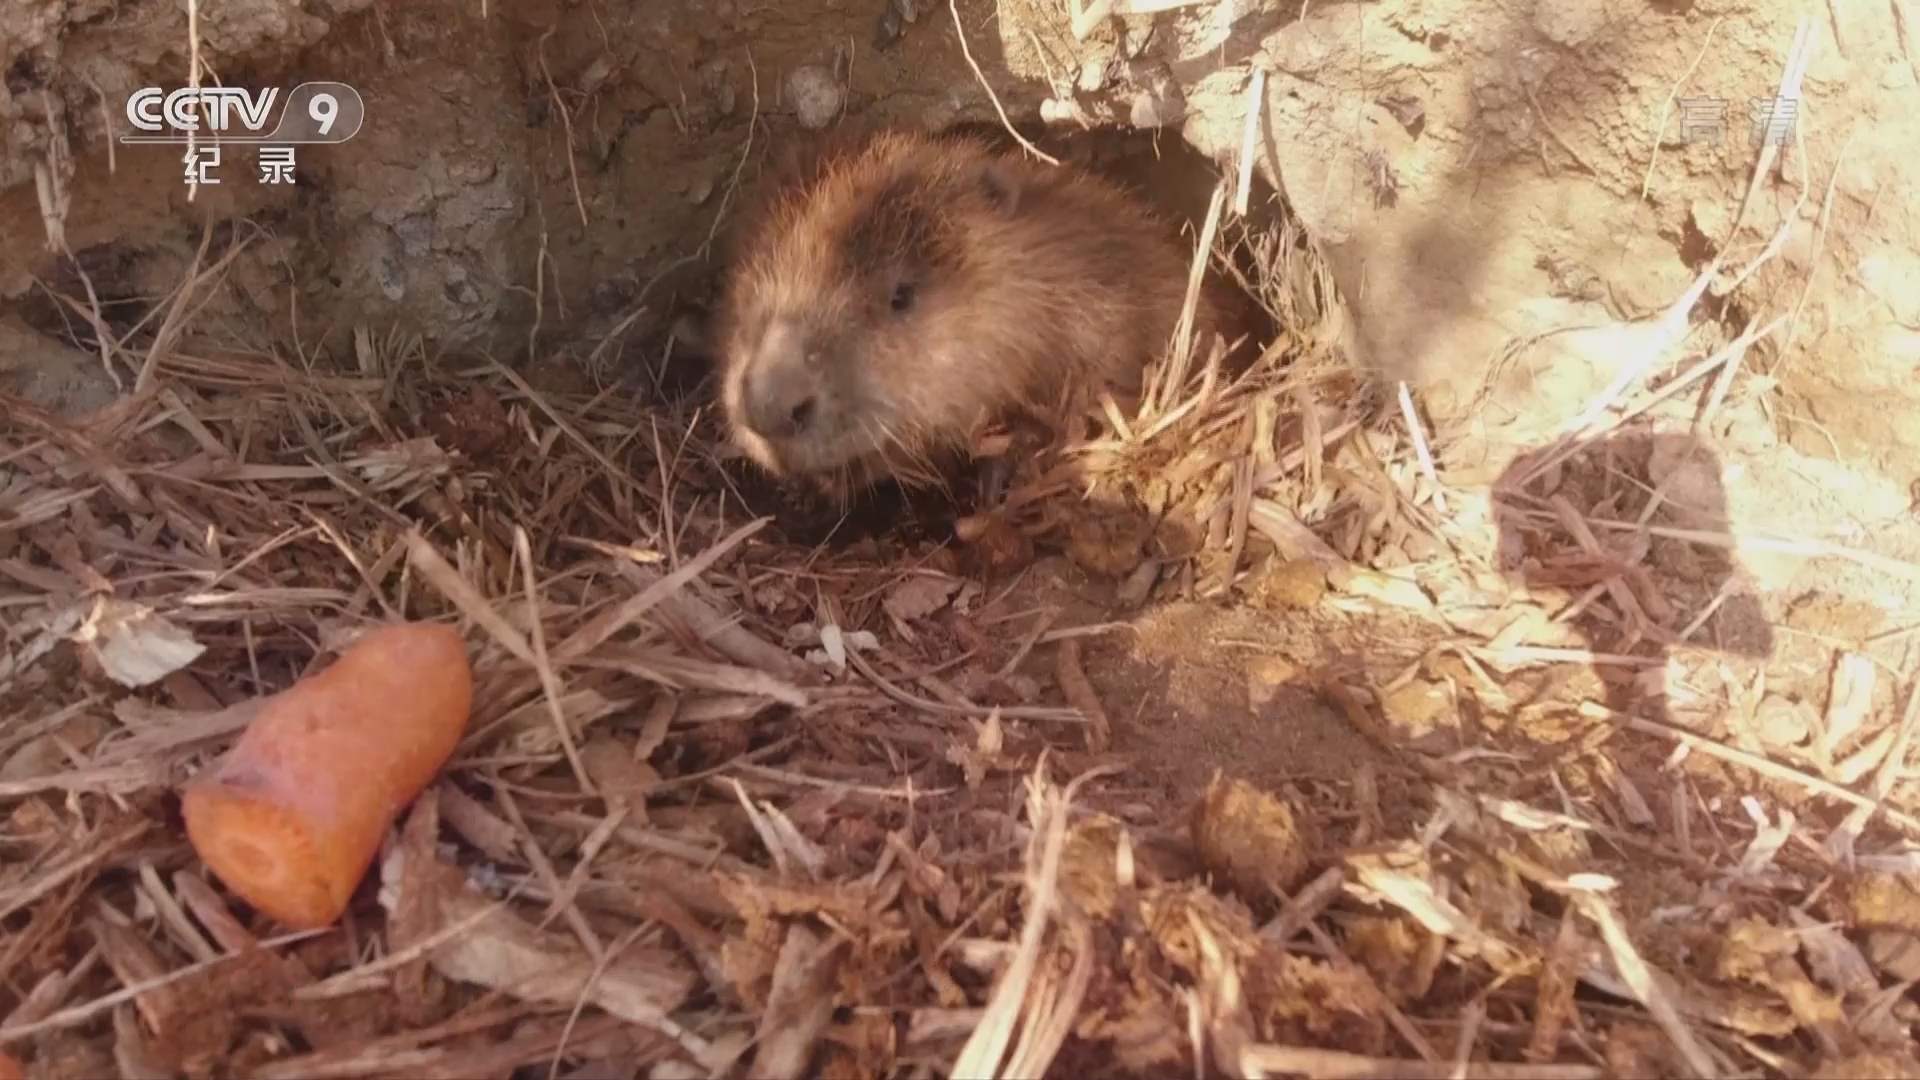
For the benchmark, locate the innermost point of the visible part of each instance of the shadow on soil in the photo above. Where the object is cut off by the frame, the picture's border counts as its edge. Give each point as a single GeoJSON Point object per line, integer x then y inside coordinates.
{"type": "Point", "coordinates": [1628, 618]}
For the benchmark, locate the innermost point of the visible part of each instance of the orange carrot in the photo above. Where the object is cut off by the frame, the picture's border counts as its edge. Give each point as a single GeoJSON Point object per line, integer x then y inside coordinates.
{"type": "Point", "coordinates": [10, 1067]}
{"type": "Point", "coordinates": [293, 815]}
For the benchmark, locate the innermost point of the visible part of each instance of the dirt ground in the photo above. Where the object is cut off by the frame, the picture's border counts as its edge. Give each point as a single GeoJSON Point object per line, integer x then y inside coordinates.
{"type": "Point", "coordinates": [541, 175]}
{"type": "Point", "coordinates": [1532, 220]}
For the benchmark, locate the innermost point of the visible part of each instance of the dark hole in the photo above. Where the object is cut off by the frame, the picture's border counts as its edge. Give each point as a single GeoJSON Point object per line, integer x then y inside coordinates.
{"type": "Point", "coordinates": [1695, 247]}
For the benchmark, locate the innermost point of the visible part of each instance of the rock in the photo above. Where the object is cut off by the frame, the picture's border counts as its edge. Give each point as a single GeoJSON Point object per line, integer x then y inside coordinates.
{"type": "Point", "coordinates": [1109, 544]}
{"type": "Point", "coordinates": [814, 94]}
{"type": "Point", "coordinates": [1094, 74]}
{"type": "Point", "coordinates": [1252, 837]}
{"type": "Point", "coordinates": [1158, 99]}
{"type": "Point", "coordinates": [1780, 722]}
{"type": "Point", "coordinates": [1292, 584]}
{"type": "Point", "coordinates": [1420, 712]}
{"type": "Point", "coordinates": [50, 373]}
{"type": "Point", "coordinates": [1571, 23]}
{"type": "Point", "coordinates": [1266, 675]}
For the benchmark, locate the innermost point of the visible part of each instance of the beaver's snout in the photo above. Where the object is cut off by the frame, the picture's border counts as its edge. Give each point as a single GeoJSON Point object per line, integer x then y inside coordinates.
{"type": "Point", "coordinates": [782, 386]}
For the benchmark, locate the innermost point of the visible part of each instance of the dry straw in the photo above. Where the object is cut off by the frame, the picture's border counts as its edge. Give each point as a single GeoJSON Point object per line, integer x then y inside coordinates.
{"type": "Point", "coordinates": [729, 807]}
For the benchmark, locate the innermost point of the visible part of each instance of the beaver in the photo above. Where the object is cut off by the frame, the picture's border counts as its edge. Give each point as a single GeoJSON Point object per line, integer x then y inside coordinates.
{"type": "Point", "coordinates": [893, 292]}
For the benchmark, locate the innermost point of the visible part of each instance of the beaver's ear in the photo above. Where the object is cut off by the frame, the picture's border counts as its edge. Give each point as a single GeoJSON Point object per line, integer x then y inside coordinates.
{"type": "Point", "coordinates": [1001, 184]}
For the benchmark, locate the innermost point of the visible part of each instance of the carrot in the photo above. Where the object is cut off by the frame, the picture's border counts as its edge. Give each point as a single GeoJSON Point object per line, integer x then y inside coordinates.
{"type": "Point", "coordinates": [10, 1067]}
{"type": "Point", "coordinates": [293, 816]}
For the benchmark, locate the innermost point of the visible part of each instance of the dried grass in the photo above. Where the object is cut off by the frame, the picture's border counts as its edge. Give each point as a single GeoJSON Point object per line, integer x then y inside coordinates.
{"type": "Point", "coordinates": [726, 807]}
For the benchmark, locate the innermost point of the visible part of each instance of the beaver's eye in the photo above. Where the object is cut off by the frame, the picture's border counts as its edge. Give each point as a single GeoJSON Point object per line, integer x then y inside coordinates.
{"type": "Point", "coordinates": [902, 296]}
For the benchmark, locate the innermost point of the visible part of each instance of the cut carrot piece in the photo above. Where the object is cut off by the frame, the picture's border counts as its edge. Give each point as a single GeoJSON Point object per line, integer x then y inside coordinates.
{"type": "Point", "coordinates": [293, 816]}
{"type": "Point", "coordinates": [10, 1067]}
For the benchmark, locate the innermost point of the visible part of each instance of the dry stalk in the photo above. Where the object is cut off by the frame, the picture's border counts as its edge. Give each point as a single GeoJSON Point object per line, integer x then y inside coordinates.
{"type": "Point", "coordinates": [960, 31]}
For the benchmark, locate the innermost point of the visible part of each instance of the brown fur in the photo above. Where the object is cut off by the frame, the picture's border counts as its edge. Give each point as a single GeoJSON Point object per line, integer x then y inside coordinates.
{"type": "Point", "coordinates": [1023, 283]}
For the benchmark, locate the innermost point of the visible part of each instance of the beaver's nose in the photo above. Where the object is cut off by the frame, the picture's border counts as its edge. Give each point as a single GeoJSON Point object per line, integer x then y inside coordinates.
{"type": "Point", "coordinates": [782, 392]}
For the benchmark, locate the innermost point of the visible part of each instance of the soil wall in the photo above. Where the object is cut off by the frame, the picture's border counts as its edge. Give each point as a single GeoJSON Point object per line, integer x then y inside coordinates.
{"type": "Point", "coordinates": [1508, 192]}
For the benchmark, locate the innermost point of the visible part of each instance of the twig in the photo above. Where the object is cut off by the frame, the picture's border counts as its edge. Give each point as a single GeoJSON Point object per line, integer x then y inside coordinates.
{"type": "Point", "coordinates": [1671, 327]}
{"type": "Point", "coordinates": [1081, 694]}
{"type": "Point", "coordinates": [611, 622]}
{"type": "Point", "coordinates": [84, 1014]}
{"type": "Point", "coordinates": [549, 682]}
{"type": "Point", "coordinates": [1893, 768]}
{"type": "Point", "coordinates": [20, 896]}
{"type": "Point", "coordinates": [1770, 769]}
{"type": "Point", "coordinates": [1420, 448]}
{"type": "Point", "coordinates": [1666, 110]}
{"type": "Point", "coordinates": [1011, 712]}
{"type": "Point", "coordinates": [1633, 970]}
{"type": "Point", "coordinates": [1047, 812]}
{"type": "Point", "coordinates": [960, 29]}
{"type": "Point", "coordinates": [1819, 248]}
{"type": "Point", "coordinates": [1173, 377]}
{"type": "Point", "coordinates": [194, 66]}
{"type": "Point", "coordinates": [566, 123]}
{"type": "Point", "coordinates": [1335, 1065]}
{"type": "Point", "coordinates": [1591, 431]}
{"type": "Point", "coordinates": [1249, 138]}
{"type": "Point", "coordinates": [746, 152]}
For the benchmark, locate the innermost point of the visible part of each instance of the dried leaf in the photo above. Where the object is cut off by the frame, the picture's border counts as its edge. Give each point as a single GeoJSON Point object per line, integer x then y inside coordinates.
{"type": "Point", "coordinates": [135, 645]}
{"type": "Point", "coordinates": [920, 596]}
{"type": "Point", "coordinates": [487, 945]}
